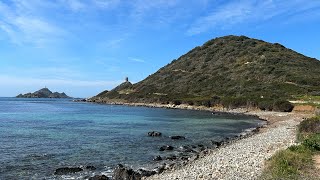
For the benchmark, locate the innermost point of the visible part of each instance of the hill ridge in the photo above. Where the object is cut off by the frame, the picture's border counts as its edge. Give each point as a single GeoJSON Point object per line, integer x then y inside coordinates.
{"type": "Point", "coordinates": [229, 66]}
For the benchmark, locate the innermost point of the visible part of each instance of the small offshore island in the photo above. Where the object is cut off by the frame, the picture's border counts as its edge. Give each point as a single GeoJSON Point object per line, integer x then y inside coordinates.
{"type": "Point", "coordinates": [43, 93]}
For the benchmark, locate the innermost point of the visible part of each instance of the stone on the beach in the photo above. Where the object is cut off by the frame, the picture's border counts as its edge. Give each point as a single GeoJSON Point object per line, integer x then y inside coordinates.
{"type": "Point", "coordinates": [67, 170]}
{"type": "Point", "coordinates": [157, 158]}
{"type": "Point", "coordinates": [160, 169]}
{"type": "Point", "coordinates": [154, 133]}
{"type": "Point", "coordinates": [123, 173]}
{"type": "Point", "coordinates": [99, 177]}
{"type": "Point", "coordinates": [146, 173]}
{"type": "Point", "coordinates": [177, 137]}
{"type": "Point", "coordinates": [166, 147]}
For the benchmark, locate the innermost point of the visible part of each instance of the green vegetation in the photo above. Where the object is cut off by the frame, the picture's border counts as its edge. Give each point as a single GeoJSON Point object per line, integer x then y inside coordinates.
{"type": "Point", "coordinates": [296, 161]}
{"type": "Point", "coordinates": [239, 70]}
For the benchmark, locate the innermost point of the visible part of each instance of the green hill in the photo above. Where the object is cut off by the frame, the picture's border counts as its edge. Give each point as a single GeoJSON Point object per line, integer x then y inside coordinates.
{"type": "Point", "coordinates": [230, 67]}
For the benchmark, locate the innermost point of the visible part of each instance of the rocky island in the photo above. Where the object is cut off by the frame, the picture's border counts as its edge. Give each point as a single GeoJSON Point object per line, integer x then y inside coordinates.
{"type": "Point", "coordinates": [43, 93]}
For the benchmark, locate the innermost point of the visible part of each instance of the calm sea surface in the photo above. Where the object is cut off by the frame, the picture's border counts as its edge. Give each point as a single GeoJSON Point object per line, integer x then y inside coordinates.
{"type": "Point", "coordinates": [38, 136]}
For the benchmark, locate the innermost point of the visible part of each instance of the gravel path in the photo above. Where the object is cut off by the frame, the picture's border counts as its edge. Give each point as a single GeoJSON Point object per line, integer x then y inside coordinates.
{"type": "Point", "coordinates": [245, 158]}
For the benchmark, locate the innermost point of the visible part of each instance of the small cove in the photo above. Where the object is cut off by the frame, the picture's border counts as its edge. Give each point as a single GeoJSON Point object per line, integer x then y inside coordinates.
{"type": "Point", "coordinates": [38, 136]}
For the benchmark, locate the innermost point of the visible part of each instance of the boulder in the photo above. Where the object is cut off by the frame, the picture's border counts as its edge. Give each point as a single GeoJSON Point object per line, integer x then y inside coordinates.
{"type": "Point", "coordinates": [67, 170]}
{"type": "Point", "coordinates": [123, 173]}
{"type": "Point", "coordinates": [177, 137]}
{"type": "Point", "coordinates": [166, 147]}
{"type": "Point", "coordinates": [99, 177]}
{"type": "Point", "coordinates": [154, 133]}
{"type": "Point", "coordinates": [146, 173]}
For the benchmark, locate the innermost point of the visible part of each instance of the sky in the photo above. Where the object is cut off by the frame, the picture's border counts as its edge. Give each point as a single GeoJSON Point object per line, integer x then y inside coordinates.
{"type": "Point", "coordinates": [82, 47]}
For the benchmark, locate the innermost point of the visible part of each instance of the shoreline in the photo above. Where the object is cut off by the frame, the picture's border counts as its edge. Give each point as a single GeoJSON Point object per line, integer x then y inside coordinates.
{"type": "Point", "coordinates": [274, 121]}
{"type": "Point", "coordinates": [244, 158]}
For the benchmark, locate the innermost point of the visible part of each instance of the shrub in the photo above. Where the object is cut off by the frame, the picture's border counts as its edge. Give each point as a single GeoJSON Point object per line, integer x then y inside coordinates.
{"type": "Point", "coordinates": [266, 105]}
{"type": "Point", "coordinates": [312, 142]}
{"type": "Point", "coordinates": [283, 106]}
{"type": "Point", "coordinates": [311, 125]}
{"type": "Point", "coordinates": [176, 102]}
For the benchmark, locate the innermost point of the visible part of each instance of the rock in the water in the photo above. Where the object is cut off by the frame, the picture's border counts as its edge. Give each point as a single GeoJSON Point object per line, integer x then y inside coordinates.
{"type": "Point", "coordinates": [171, 157]}
{"type": "Point", "coordinates": [166, 147]}
{"type": "Point", "coordinates": [187, 149]}
{"type": "Point", "coordinates": [122, 173]}
{"type": "Point", "coordinates": [154, 133]}
{"type": "Point", "coordinates": [177, 137]}
{"type": "Point", "coordinates": [217, 143]}
{"type": "Point", "coordinates": [99, 177]}
{"type": "Point", "coordinates": [157, 158]}
{"type": "Point", "coordinates": [67, 170]}
{"type": "Point", "coordinates": [91, 168]}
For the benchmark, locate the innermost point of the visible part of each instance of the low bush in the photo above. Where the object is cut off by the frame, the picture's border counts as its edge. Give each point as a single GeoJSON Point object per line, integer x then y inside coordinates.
{"type": "Point", "coordinates": [311, 125]}
{"type": "Point", "coordinates": [289, 163]}
{"type": "Point", "coordinates": [282, 106]}
{"type": "Point", "coordinates": [312, 142]}
{"type": "Point", "coordinates": [266, 105]}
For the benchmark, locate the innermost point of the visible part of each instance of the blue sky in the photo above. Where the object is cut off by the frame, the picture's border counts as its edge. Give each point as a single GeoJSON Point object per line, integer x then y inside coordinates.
{"type": "Point", "coordinates": [83, 47]}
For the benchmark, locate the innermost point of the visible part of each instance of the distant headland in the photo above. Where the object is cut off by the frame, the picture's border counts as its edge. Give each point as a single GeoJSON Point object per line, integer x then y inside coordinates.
{"type": "Point", "coordinates": [43, 93]}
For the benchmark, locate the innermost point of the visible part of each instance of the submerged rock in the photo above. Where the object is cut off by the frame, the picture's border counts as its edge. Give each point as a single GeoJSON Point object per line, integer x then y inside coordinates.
{"type": "Point", "coordinates": [67, 170]}
{"type": "Point", "coordinates": [166, 147]}
{"type": "Point", "coordinates": [154, 133]}
{"type": "Point", "coordinates": [187, 149]}
{"type": "Point", "coordinates": [177, 137]}
{"type": "Point", "coordinates": [99, 177]}
{"type": "Point", "coordinates": [91, 168]}
{"type": "Point", "coordinates": [171, 157]}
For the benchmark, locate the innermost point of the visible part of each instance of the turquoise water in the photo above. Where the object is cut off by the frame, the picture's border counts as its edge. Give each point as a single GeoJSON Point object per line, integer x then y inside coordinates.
{"type": "Point", "coordinates": [38, 136]}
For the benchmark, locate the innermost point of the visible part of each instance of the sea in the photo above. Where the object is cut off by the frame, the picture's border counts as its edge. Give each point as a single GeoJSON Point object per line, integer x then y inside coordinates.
{"type": "Point", "coordinates": [37, 136]}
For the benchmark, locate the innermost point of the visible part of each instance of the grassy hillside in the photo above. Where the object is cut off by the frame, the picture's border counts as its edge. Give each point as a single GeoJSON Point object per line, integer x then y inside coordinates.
{"type": "Point", "coordinates": [230, 67]}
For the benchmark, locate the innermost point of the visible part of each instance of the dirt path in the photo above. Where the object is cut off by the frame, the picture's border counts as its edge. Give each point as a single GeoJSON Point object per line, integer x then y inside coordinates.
{"type": "Point", "coordinates": [316, 159]}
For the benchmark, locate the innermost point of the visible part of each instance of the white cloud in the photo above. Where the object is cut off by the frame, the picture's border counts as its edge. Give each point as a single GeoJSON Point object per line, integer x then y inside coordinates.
{"type": "Point", "coordinates": [137, 60]}
{"type": "Point", "coordinates": [106, 3]}
{"type": "Point", "coordinates": [22, 26]}
{"type": "Point", "coordinates": [75, 5]}
{"type": "Point", "coordinates": [247, 11]}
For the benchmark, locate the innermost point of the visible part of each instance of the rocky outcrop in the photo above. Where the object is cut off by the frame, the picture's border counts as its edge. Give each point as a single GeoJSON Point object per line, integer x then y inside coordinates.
{"type": "Point", "coordinates": [123, 173]}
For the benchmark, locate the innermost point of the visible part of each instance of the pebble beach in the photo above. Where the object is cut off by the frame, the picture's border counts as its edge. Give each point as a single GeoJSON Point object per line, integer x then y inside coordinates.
{"type": "Point", "coordinates": [245, 158]}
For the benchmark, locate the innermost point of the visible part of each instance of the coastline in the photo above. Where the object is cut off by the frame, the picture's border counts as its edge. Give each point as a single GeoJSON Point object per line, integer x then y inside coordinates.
{"type": "Point", "coordinates": [240, 158]}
